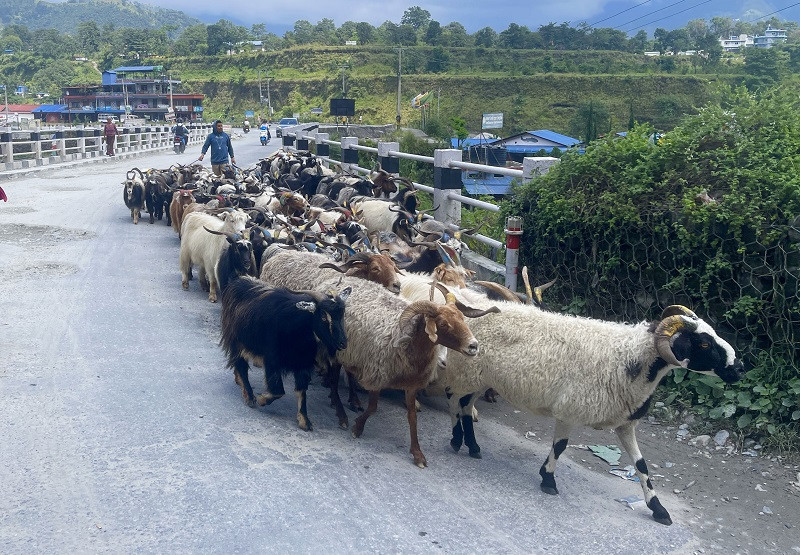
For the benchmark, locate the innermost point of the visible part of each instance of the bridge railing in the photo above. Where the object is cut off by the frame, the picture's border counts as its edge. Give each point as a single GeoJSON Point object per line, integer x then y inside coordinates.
{"type": "Point", "coordinates": [46, 145]}
{"type": "Point", "coordinates": [446, 189]}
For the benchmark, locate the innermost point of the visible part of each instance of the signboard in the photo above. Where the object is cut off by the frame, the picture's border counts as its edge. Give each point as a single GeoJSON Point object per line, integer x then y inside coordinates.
{"type": "Point", "coordinates": [350, 43]}
{"type": "Point", "coordinates": [316, 110]}
{"type": "Point", "coordinates": [492, 121]}
{"type": "Point", "coordinates": [249, 113]}
{"type": "Point", "coordinates": [343, 107]}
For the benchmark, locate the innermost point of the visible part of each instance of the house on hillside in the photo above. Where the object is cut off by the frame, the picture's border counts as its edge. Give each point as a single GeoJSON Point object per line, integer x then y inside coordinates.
{"type": "Point", "coordinates": [506, 153]}
{"type": "Point", "coordinates": [770, 37]}
{"type": "Point", "coordinates": [146, 92]}
{"type": "Point", "coordinates": [529, 143]}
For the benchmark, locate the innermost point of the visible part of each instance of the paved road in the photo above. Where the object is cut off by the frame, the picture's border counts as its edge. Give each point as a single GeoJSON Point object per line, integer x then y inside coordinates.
{"type": "Point", "coordinates": [121, 430]}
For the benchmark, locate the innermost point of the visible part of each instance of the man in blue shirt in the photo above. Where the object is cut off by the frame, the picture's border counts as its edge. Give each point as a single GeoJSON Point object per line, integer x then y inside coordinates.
{"type": "Point", "coordinates": [221, 147]}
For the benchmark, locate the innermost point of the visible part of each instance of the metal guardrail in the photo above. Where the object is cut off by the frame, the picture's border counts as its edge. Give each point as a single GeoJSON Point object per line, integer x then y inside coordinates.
{"type": "Point", "coordinates": [447, 187]}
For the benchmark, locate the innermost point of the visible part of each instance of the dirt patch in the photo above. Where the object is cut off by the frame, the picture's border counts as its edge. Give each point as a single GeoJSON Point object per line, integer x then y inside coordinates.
{"type": "Point", "coordinates": [16, 210]}
{"type": "Point", "coordinates": [67, 188]}
{"type": "Point", "coordinates": [41, 235]}
{"type": "Point", "coordinates": [37, 271]}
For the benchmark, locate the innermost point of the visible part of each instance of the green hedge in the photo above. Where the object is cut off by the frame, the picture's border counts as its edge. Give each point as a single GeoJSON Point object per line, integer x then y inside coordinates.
{"type": "Point", "coordinates": [707, 216]}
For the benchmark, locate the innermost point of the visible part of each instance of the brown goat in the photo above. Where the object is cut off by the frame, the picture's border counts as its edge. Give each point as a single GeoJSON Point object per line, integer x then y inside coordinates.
{"type": "Point", "coordinates": [180, 200]}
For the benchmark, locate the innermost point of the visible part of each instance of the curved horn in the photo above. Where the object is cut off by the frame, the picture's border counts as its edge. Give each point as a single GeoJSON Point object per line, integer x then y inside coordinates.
{"type": "Point", "coordinates": [541, 288]}
{"type": "Point", "coordinates": [668, 327]}
{"type": "Point", "coordinates": [418, 307]}
{"type": "Point", "coordinates": [527, 283]}
{"type": "Point", "coordinates": [680, 310]}
{"type": "Point", "coordinates": [504, 292]}
{"type": "Point", "coordinates": [333, 266]}
{"type": "Point", "coordinates": [229, 235]}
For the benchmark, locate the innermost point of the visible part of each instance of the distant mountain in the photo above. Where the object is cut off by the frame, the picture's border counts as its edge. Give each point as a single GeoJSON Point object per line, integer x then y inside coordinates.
{"type": "Point", "coordinates": [65, 16]}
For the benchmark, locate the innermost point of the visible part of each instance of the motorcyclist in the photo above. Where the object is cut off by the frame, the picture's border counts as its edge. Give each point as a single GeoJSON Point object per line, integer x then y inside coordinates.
{"type": "Point", "coordinates": [246, 125]}
{"type": "Point", "coordinates": [265, 131]}
{"type": "Point", "coordinates": [179, 130]}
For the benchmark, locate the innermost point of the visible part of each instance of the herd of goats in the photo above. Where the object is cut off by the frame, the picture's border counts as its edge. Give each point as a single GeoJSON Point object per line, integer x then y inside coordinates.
{"type": "Point", "coordinates": [327, 271]}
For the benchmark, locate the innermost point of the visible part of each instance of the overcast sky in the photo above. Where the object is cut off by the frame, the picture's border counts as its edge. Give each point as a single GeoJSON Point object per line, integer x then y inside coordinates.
{"type": "Point", "coordinates": [648, 14]}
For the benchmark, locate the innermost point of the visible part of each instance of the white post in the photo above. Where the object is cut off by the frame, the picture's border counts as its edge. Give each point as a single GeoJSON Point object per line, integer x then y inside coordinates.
{"type": "Point", "coordinates": [513, 235]}
{"type": "Point", "coordinates": [535, 166]}
{"type": "Point", "coordinates": [445, 181]}
{"type": "Point", "coordinates": [349, 155]}
{"type": "Point", "coordinates": [389, 164]}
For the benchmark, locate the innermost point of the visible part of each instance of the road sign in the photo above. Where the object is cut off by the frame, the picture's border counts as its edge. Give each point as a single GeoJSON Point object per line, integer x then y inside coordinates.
{"type": "Point", "coordinates": [249, 114]}
{"type": "Point", "coordinates": [316, 110]}
{"type": "Point", "coordinates": [492, 121]}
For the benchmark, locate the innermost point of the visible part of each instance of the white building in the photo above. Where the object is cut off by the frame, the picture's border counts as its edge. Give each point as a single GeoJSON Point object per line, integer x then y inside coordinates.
{"type": "Point", "coordinates": [771, 36]}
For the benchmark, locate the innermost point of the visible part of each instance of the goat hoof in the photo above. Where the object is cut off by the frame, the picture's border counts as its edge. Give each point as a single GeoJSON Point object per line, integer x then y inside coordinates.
{"type": "Point", "coordinates": [550, 491]}
{"type": "Point", "coordinates": [307, 427]}
{"type": "Point", "coordinates": [357, 432]}
{"type": "Point", "coordinates": [344, 424]}
{"type": "Point", "coordinates": [420, 461]}
{"type": "Point", "coordinates": [666, 521]}
{"type": "Point", "coordinates": [476, 454]}
{"type": "Point", "coordinates": [185, 285]}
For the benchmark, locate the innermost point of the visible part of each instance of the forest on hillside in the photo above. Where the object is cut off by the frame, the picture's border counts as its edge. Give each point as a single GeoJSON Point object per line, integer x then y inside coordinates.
{"type": "Point", "coordinates": [227, 63]}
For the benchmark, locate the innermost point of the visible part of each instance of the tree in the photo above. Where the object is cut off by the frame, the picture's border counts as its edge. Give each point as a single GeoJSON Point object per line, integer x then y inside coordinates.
{"type": "Point", "coordinates": [439, 62]}
{"type": "Point", "coordinates": [765, 66]}
{"type": "Point", "coordinates": [365, 32]}
{"type": "Point", "coordinates": [325, 32]}
{"type": "Point", "coordinates": [721, 27]}
{"type": "Point", "coordinates": [638, 43]}
{"type": "Point", "coordinates": [258, 31]}
{"type": "Point", "coordinates": [223, 35]}
{"type": "Point", "coordinates": [193, 41]}
{"type": "Point", "coordinates": [696, 31]}
{"type": "Point", "coordinates": [415, 17]}
{"type": "Point", "coordinates": [88, 37]}
{"type": "Point", "coordinates": [485, 37]}
{"type": "Point", "coordinates": [454, 34]}
{"type": "Point", "coordinates": [590, 121]}
{"type": "Point", "coordinates": [459, 128]}
{"type": "Point", "coordinates": [516, 36]}
{"type": "Point", "coordinates": [433, 34]}
{"type": "Point", "coordinates": [303, 32]}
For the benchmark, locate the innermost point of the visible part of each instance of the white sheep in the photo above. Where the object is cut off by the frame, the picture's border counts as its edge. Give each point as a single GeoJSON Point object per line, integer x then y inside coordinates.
{"type": "Point", "coordinates": [581, 371]}
{"type": "Point", "coordinates": [203, 248]}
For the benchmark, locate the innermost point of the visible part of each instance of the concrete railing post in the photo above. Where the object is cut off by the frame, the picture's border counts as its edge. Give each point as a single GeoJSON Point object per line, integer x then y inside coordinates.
{"type": "Point", "coordinates": [36, 137]}
{"type": "Point", "coordinates": [349, 154]}
{"type": "Point", "coordinates": [287, 137]}
{"type": "Point", "coordinates": [446, 180]}
{"type": "Point", "coordinates": [388, 163]}
{"type": "Point", "coordinates": [535, 166]}
{"type": "Point", "coordinates": [321, 148]}
{"type": "Point", "coordinates": [81, 139]}
{"type": "Point", "coordinates": [7, 141]}
{"type": "Point", "coordinates": [62, 143]}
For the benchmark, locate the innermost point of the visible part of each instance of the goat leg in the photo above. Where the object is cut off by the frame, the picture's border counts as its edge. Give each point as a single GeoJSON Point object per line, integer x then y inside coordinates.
{"type": "Point", "coordinates": [411, 411]}
{"type": "Point", "coordinates": [358, 427]}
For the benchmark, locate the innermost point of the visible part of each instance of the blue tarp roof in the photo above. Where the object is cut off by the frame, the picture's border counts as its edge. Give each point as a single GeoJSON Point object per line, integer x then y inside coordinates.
{"type": "Point", "coordinates": [135, 68]}
{"type": "Point", "coordinates": [466, 143]}
{"type": "Point", "coordinates": [554, 137]}
{"type": "Point", "coordinates": [488, 185]}
{"type": "Point", "coordinates": [529, 148]}
{"type": "Point", "coordinates": [49, 108]}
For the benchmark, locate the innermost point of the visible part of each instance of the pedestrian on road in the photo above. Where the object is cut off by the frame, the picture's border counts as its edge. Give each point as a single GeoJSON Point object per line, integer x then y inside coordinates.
{"type": "Point", "coordinates": [221, 147]}
{"type": "Point", "coordinates": [110, 132]}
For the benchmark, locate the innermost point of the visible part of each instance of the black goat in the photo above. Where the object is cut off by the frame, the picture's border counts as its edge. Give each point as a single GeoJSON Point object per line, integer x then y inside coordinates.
{"type": "Point", "coordinates": [278, 329]}
{"type": "Point", "coordinates": [157, 197]}
{"type": "Point", "coordinates": [236, 260]}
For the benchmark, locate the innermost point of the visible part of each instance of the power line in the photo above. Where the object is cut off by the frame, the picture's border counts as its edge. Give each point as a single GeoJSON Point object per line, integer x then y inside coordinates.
{"type": "Point", "coordinates": [651, 13]}
{"type": "Point", "coordinates": [668, 16]}
{"type": "Point", "coordinates": [619, 13]}
{"type": "Point", "coordinates": [773, 13]}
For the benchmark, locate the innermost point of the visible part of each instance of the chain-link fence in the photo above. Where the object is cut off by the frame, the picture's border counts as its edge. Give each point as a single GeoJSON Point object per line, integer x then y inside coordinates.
{"type": "Point", "coordinates": [745, 284]}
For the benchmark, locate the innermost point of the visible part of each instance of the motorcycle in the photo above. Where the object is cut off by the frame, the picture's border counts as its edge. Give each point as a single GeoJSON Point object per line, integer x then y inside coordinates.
{"type": "Point", "coordinates": [246, 127]}
{"type": "Point", "coordinates": [178, 144]}
{"type": "Point", "coordinates": [264, 138]}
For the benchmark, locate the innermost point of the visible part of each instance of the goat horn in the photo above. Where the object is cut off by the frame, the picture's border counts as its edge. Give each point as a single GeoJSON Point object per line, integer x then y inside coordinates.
{"type": "Point", "coordinates": [228, 234]}
{"type": "Point", "coordinates": [541, 288]}
{"type": "Point", "coordinates": [668, 327]}
{"type": "Point", "coordinates": [467, 311]}
{"type": "Point", "coordinates": [527, 283]}
{"type": "Point", "coordinates": [680, 310]}
{"type": "Point", "coordinates": [333, 266]}
{"type": "Point", "coordinates": [501, 290]}
{"type": "Point", "coordinates": [418, 307]}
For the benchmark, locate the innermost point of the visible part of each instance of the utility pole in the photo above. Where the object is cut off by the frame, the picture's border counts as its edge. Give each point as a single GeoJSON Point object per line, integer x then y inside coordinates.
{"type": "Point", "coordinates": [438, 99]}
{"type": "Point", "coordinates": [343, 67]}
{"type": "Point", "coordinates": [399, 72]}
{"type": "Point", "coordinates": [269, 100]}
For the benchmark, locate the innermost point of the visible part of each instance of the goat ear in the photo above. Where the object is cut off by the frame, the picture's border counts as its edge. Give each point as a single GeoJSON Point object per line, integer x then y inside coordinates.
{"type": "Point", "coordinates": [308, 306]}
{"type": "Point", "coordinates": [345, 293]}
{"type": "Point", "coordinates": [430, 328]}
